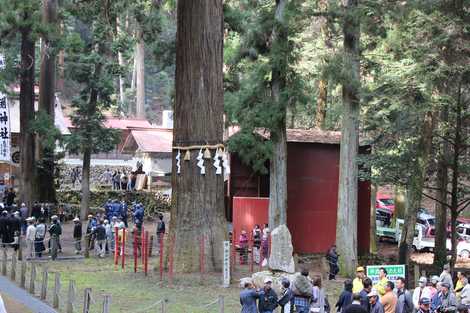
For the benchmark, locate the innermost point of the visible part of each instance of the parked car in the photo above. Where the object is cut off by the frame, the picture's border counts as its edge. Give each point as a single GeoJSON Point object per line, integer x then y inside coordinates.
{"type": "Point", "coordinates": [463, 231]}
{"type": "Point", "coordinates": [383, 217]}
{"type": "Point", "coordinates": [463, 249]}
{"type": "Point", "coordinates": [385, 202]}
{"type": "Point", "coordinates": [426, 220]}
{"type": "Point", "coordinates": [421, 242]}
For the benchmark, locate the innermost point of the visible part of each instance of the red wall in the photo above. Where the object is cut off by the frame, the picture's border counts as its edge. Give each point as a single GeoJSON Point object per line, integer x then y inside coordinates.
{"type": "Point", "coordinates": [312, 183]}
{"type": "Point", "coordinates": [247, 212]}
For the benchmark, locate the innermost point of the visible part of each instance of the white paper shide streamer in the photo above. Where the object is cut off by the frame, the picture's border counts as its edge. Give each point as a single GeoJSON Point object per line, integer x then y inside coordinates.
{"type": "Point", "coordinates": [2, 62]}
{"type": "Point", "coordinates": [218, 167]}
{"type": "Point", "coordinates": [225, 163]}
{"type": "Point", "coordinates": [200, 162]}
{"type": "Point", "coordinates": [178, 162]}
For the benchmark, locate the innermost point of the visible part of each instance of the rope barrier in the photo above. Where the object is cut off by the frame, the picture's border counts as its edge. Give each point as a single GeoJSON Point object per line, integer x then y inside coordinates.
{"type": "Point", "coordinates": [194, 147]}
{"type": "Point", "coordinates": [151, 306]}
{"type": "Point", "coordinates": [216, 301]}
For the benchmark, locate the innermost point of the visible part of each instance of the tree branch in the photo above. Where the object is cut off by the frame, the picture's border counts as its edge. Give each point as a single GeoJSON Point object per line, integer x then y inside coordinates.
{"type": "Point", "coordinates": [438, 201]}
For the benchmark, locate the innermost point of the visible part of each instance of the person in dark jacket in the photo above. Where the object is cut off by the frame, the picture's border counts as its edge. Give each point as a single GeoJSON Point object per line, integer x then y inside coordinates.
{"type": "Point", "coordinates": [355, 306]}
{"type": "Point", "coordinates": [332, 258]}
{"type": "Point", "coordinates": [248, 298]}
{"type": "Point", "coordinates": [100, 239]}
{"type": "Point", "coordinates": [4, 227]}
{"type": "Point", "coordinates": [404, 298]}
{"type": "Point", "coordinates": [36, 211]}
{"type": "Point", "coordinates": [123, 212]}
{"type": "Point", "coordinates": [55, 230]}
{"type": "Point", "coordinates": [14, 227]}
{"type": "Point", "coordinates": [10, 197]}
{"type": "Point", "coordinates": [161, 228]}
{"type": "Point", "coordinates": [375, 305]}
{"type": "Point", "coordinates": [77, 235]}
{"type": "Point", "coordinates": [367, 283]}
{"type": "Point", "coordinates": [267, 298]}
{"type": "Point", "coordinates": [346, 297]}
{"type": "Point", "coordinates": [424, 305]}
{"type": "Point", "coordinates": [286, 297]}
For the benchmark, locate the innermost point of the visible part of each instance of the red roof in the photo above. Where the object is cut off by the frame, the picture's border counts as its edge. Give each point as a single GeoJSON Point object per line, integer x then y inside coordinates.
{"type": "Point", "coordinates": [118, 123]}
{"type": "Point", "coordinates": [150, 140]}
{"type": "Point", "coordinates": [313, 135]}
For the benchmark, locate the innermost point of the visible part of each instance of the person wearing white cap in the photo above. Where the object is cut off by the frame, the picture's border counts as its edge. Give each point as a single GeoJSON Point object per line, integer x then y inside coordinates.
{"type": "Point", "coordinates": [375, 305]}
{"type": "Point", "coordinates": [421, 292]}
{"type": "Point", "coordinates": [30, 237]}
{"type": "Point", "coordinates": [268, 298]}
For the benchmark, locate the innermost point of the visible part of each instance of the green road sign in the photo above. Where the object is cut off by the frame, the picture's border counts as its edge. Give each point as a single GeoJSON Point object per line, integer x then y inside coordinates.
{"type": "Point", "coordinates": [393, 272]}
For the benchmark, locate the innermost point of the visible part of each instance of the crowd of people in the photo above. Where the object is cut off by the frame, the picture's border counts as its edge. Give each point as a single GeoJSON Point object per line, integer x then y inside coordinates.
{"type": "Point", "coordinates": [260, 240]}
{"type": "Point", "coordinates": [436, 294]}
{"type": "Point", "coordinates": [99, 234]}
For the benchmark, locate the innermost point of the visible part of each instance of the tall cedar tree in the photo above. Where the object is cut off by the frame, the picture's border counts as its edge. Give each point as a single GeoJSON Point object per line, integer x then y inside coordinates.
{"type": "Point", "coordinates": [23, 18]}
{"type": "Point", "coordinates": [198, 200]}
{"type": "Point", "coordinates": [89, 64]}
{"type": "Point", "coordinates": [47, 88]}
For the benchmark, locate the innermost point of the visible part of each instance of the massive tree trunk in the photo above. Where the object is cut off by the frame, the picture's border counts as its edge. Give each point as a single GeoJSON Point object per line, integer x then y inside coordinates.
{"type": "Point", "coordinates": [415, 187]}
{"type": "Point", "coordinates": [278, 161]}
{"type": "Point", "coordinates": [140, 75]}
{"type": "Point", "coordinates": [346, 225]}
{"type": "Point", "coordinates": [27, 162]}
{"type": "Point", "coordinates": [198, 200]}
{"type": "Point", "coordinates": [47, 84]}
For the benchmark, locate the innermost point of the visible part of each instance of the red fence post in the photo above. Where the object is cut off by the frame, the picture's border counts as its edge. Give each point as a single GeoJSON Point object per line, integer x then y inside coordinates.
{"type": "Point", "coordinates": [160, 240]}
{"type": "Point", "coordinates": [116, 246]}
{"type": "Point", "coordinates": [123, 261]}
{"type": "Point", "coordinates": [146, 243]}
{"type": "Point", "coordinates": [252, 252]}
{"type": "Point", "coordinates": [142, 243]}
{"type": "Point", "coordinates": [134, 246]}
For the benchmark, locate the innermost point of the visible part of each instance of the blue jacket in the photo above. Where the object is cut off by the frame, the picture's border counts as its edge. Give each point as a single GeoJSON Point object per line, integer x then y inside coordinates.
{"type": "Point", "coordinates": [436, 301]}
{"type": "Point", "coordinates": [139, 215]}
{"type": "Point", "coordinates": [248, 300]}
{"type": "Point", "coordinates": [267, 301]}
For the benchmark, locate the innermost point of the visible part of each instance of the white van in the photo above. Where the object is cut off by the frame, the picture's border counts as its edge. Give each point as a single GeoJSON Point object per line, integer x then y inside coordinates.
{"type": "Point", "coordinates": [463, 231]}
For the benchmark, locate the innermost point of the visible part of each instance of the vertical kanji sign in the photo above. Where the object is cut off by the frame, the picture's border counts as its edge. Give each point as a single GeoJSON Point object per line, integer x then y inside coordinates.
{"type": "Point", "coordinates": [5, 134]}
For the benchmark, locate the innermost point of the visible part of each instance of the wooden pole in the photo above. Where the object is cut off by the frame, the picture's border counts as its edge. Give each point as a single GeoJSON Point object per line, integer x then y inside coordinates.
{"type": "Point", "coordinates": [20, 249]}
{"type": "Point", "coordinates": [164, 305]}
{"type": "Point", "coordinates": [32, 278]}
{"type": "Point", "coordinates": [87, 245]}
{"type": "Point", "coordinates": [106, 303]}
{"type": "Point", "coordinates": [170, 265]}
{"type": "Point", "coordinates": [86, 300]}
{"type": "Point", "coordinates": [4, 262]}
{"type": "Point", "coordinates": [151, 246]}
{"type": "Point", "coordinates": [201, 258]}
{"type": "Point", "coordinates": [13, 267]}
{"type": "Point", "coordinates": [142, 248]}
{"type": "Point", "coordinates": [55, 301]}
{"type": "Point", "coordinates": [160, 239]}
{"type": "Point", "coordinates": [23, 275]}
{"type": "Point", "coordinates": [45, 275]}
{"type": "Point", "coordinates": [221, 304]}
{"type": "Point", "coordinates": [70, 297]}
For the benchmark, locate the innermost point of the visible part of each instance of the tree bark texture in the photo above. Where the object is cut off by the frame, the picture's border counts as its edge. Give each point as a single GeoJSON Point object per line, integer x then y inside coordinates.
{"type": "Point", "coordinates": [321, 103]}
{"type": "Point", "coordinates": [415, 187]}
{"type": "Point", "coordinates": [459, 144]}
{"type": "Point", "coordinates": [278, 161]}
{"type": "Point", "coordinates": [85, 201]}
{"type": "Point", "coordinates": [373, 220]}
{"type": "Point", "coordinates": [346, 227]}
{"type": "Point", "coordinates": [47, 85]}
{"type": "Point", "coordinates": [198, 200]}
{"type": "Point", "coordinates": [140, 75]}
{"type": "Point", "coordinates": [122, 97]}
{"type": "Point", "coordinates": [440, 252]}
{"type": "Point", "coordinates": [27, 160]}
